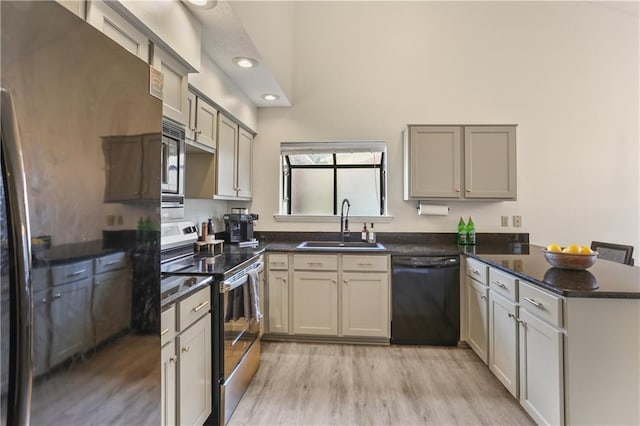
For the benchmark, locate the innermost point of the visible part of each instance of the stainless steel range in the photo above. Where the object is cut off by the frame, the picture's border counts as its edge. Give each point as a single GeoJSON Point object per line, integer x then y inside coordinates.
{"type": "Point", "coordinates": [238, 285]}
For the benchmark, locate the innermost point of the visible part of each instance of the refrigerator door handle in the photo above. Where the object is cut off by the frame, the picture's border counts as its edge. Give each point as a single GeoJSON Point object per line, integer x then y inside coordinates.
{"type": "Point", "coordinates": [20, 382]}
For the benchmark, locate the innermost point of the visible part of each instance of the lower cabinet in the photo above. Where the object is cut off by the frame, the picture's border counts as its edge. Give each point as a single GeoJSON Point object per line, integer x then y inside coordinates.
{"type": "Point", "coordinates": [503, 341]}
{"type": "Point", "coordinates": [328, 295]}
{"type": "Point", "coordinates": [365, 304]}
{"type": "Point", "coordinates": [478, 318]}
{"type": "Point", "coordinates": [315, 301]}
{"type": "Point", "coordinates": [278, 296]}
{"type": "Point", "coordinates": [111, 305]}
{"type": "Point", "coordinates": [541, 377]}
{"type": "Point", "coordinates": [186, 361]}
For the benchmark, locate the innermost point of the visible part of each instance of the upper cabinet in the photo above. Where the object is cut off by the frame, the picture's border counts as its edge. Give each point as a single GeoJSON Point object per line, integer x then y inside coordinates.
{"type": "Point", "coordinates": [459, 162]}
{"type": "Point", "coordinates": [202, 125]}
{"type": "Point", "coordinates": [174, 86]}
{"type": "Point", "coordinates": [233, 161]}
{"type": "Point", "coordinates": [112, 24]}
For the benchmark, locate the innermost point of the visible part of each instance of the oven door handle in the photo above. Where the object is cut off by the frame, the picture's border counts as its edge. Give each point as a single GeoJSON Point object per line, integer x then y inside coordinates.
{"type": "Point", "coordinates": [227, 286]}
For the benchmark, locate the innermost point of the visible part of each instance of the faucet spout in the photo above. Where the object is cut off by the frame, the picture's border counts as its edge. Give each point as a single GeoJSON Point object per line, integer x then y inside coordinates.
{"type": "Point", "coordinates": [344, 220]}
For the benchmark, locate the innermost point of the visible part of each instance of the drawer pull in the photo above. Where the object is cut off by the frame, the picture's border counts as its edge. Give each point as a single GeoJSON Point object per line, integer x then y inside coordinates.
{"type": "Point", "coordinates": [346, 281]}
{"type": "Point", "coordinates": [533, 302]}
{"type": "Point", "coordinates": [315, 263]}
{"type": "Point", "coordinates": [57, 296]}
{"type": "Point", "coordinates": [185, 349]}
{"type": "Point", "coordinates": [165, 331]}
{"type": "Point", "coordinates": [113, 262]}
{"type": "Point", "coordinates": [278, 263]}
{"type": "Point", "coordinates": [81, 271]}
{"type": "Point", "coordinates": [499, 284]}
{"type": "Point", "coordinates": [200, 306]}
{"type": "Point", "coordinates": [510, 315]}
{"type": "Point", "coordinates": [365, 264]}
{"type": "Point", "coordinates": [473, 271]}
{"type": "Point", "coordinates": [173, 359]}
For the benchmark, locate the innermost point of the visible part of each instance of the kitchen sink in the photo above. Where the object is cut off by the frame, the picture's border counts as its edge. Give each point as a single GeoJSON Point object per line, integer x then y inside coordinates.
{"type": "Point", "coordinates": [340, 246]}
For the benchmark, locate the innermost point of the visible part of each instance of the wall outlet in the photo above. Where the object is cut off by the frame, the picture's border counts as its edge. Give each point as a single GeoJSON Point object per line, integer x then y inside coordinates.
{"type": "Point", "coordinates": [504, 221]}
{"type": "Point", "coordinates": [517, 221]}
{"type": "Point", "coordinates": [119, 220]}
{"type": "Point", "coordinates": [111, 220]}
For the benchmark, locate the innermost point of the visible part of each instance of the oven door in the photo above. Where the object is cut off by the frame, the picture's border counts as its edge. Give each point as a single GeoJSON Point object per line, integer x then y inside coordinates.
{"type": "Point", "coordinates": [241, 328]}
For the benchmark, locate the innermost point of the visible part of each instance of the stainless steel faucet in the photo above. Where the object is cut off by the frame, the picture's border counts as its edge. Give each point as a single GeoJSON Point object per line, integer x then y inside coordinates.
{"type": "Point", "coordinates": [344, 220]}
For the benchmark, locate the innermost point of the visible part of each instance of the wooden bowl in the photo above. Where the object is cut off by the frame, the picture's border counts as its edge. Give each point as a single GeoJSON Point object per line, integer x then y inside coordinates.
{"type": "Point", "coordinates": [570, 261]}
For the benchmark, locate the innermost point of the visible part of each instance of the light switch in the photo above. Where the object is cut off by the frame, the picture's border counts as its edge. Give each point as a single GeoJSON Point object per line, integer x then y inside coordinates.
{"type": "Point", "coordinates": [517, 221]}
{"type": "Point", "coordinates": [504, 221]}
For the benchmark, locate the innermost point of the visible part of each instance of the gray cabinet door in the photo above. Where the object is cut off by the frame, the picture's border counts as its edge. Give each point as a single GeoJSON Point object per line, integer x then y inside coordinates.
{"type": "Point", "coordinates": [432, 162]}
{"type": "Point", "coordinates": [226, 157]}
{"type": "Point", "coordinates": [111, 307]}
{"type": "Point", "coordinates": [244, 164]}
{"type": "Point", "coordinates": [41, 337]}
{"type": "Point", "coordinates": [490, 162]}
{"type": "Point", "coordinates": [70, 319]}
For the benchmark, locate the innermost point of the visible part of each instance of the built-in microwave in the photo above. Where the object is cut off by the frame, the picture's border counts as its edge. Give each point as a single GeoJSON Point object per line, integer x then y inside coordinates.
{"type": "Point", "coordinates": [172, 176]}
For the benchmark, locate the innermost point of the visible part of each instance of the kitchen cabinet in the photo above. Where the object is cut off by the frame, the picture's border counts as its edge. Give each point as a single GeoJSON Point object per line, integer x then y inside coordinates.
{"type": "Point", "coordinates": [132, 167]}
{"type": "Point", "coordinates": [202, 126]}
{"type": "Point", "coordinates": [186, 379]}
{"type": "Point", "coordinates": [459, 162]}
{"type": "Point", "coordinates": [503, 341]}
{"type": "Point", "coordinates": [76, 6]}
{"type": "Point", "coordinates": [364, 293]}
{"type": "Point", "coordinates": [174, 85]}
{"type": "Point", "coordinates": [111, 306]}
{"type": "Point", "coordinates": [315, 301]}
{"type": "Point", "coordinates": [477, 306]}
{"type": "Point", "coordinates": [69, 307]}
{"type": "Point", "coordinates": [329, 295]}
{"type": "Point", "coordinates": [233, 161]}
{"type": "Point", "coordinates": [113, 25]}
{"type": "Point", "coordinates": [541, 377]}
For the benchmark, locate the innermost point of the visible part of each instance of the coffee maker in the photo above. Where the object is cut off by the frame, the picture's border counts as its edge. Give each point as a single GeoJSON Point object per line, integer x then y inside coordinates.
{"type": "Point", "coordinates": [238, 225]}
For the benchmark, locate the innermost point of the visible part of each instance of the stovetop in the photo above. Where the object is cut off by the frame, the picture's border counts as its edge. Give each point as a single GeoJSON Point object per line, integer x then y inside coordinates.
{"type": "Point", "coordinates": [219, 266]}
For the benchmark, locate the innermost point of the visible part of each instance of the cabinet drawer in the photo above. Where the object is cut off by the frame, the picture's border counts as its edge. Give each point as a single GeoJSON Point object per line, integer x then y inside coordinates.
{"type": "Point", "coordinates": [364, 263]}
{"type": "Point", "coordinates": [40, 278]}
{"type": "Point", "coordinates": [316, 262]}
{"type": "Point", "coordinates": [541, 304]}
{"type": "Point", "coordinates": [69, 272]}
{"type": "Point", "coordinates": [193, 307]}
{"type": "Point", "coordinates": [278, 262]}
{"type": "Point", "coordinates": [168, 325]}
{"type": "Point", "coordinates": [477, 270]}
{"type": "Point", "coordinates": [110, 262]}
{"type": "Point", "coordinates": [503, 284]}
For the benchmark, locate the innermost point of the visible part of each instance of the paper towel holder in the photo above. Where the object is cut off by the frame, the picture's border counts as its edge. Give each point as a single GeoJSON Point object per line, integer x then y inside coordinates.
{"type": "Point", "coordinates": [424, 209]}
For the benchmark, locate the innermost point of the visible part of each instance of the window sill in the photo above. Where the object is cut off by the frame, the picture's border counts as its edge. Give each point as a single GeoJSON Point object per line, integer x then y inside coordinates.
{"type": "Point", "coordinates": [329, 218]}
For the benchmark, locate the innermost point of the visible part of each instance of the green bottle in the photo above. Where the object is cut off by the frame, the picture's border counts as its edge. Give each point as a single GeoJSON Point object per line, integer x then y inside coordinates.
{"type": "Point", "coordinates": [462, 232]}
{"type": "Point", "coordinates": [471, 232]}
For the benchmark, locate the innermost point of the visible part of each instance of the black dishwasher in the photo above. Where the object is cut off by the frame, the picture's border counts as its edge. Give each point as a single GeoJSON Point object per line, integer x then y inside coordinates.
{"type": "Point", "coordinates": [425, 300]}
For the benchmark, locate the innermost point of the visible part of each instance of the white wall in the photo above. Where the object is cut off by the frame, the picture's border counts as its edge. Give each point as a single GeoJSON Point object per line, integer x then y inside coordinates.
{"type": "Point", "coordinates": [566, 73]}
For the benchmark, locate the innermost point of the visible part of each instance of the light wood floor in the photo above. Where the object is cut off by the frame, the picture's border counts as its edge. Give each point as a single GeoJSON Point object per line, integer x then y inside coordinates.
{"type": "Point", "coordinates": [328, 384]}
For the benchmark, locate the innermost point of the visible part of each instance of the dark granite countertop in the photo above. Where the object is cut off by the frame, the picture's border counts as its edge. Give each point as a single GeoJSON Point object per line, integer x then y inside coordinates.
{"type": "Point", "coordinates": [605, 279]}
{"type": "Point", "coordinates": [74, 252]}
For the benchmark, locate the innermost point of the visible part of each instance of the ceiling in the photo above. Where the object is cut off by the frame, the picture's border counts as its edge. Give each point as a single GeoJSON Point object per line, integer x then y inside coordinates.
{"type": "Point", "coordinates": [224, 38]}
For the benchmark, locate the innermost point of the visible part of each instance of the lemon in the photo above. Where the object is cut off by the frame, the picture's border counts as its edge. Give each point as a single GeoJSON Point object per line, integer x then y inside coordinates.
{"type": "Point", "coordinates": [572, 249]}
{"type": "Point", "coordinates": [585, 250]}
{"type": "Point", "coordinates": [553, 247]}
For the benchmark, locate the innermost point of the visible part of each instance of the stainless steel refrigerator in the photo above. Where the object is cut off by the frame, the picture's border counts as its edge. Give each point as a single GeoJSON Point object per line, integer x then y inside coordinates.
{"type": "Point", "coordinates": [80, 341]}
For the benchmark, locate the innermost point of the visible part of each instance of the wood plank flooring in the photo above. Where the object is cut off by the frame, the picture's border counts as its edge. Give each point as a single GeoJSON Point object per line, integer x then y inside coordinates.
{"type": "Point", "coordinates": [330, 384]}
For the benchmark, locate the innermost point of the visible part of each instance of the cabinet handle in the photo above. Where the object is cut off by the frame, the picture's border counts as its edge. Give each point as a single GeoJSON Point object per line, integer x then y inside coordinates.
{"type": "Point", "coordinates": [185, 349]}
{"type": "Point", "coordinates": [365, 264]}
{"type": "Point", "coordinates": [473, 271]}
{"type": "Point", "coordinates": [200, 306]}
{"type": "Point", "coordinates": [499, 284]}
{"type": "Point", "coordinates": [315, 263]}
{"type": "Point", "coordinates": [173, 359]}
{"type": "Point", "coordinates": [284, 280]}
{"type": "Point", "coordinates": [346, 281]}
{"type": "Point", "coordinates": [521, 322]}
{"type": "Point", "coordinates": [81, 271]}
{"type": "Point", "coordinates": [533, 302]}
{"type": "Point", "coordinates": [165, 331]}
{"type": "Point", "coordinates": [97, 283]}
{"type": "Point", "coordinates": [334, 281]}
{"type": "Point", "coordinates": [113, 262]}
{"type": "Point", "coordinates": [468, 189]}
{"type": "Point", "coordinates": [483, 297]}
{"type": "Point", "coordinates": [198, 132]}
{"type": "Point", "coordinates": [457, 189]}
{"type": "Point", "coordinates": [57, 296]}
{"type": "Point", "coordinates": [510, 315]}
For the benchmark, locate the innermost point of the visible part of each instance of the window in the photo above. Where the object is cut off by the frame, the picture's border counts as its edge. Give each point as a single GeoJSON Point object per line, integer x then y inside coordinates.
{"type": "Point", "coordinates": [317, 176]}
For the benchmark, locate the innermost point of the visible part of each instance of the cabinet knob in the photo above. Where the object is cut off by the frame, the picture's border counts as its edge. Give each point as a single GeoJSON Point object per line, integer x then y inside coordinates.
{"type": "Point", "coordinates": [468, 189]}
{"type": "Point", "coordinates": [173, 359]}
{"type": "Point", "coordinates": [483, 297]}
{"type": "Point", "coordinates": [334, 281]}
{"type": "Point", "coordinates": [457, 189]}
{"type": "Point", "coordinates": [510, 315]}
{"type": "Point", "coordinates": [185, 349]}
{"type": "Point", "coordinates": [346, 281]}
{"type": "Point", "coordinates": [56, 296]}
{"type": "Point", "coordinates": [284, 280]}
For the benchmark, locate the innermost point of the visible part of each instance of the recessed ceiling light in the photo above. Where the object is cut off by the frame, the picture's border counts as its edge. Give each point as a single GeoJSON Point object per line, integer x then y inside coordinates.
{"type": "Point", "coordinates": [245, 62]}
{"type": "Point", "coordinates": [203, 4]}
{"type": "Point", "coordinates": [270, 97]}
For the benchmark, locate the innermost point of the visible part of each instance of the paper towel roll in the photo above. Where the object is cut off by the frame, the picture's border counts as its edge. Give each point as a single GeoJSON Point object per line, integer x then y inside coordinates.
{"type": "Point", "coordinates": [432, 210]}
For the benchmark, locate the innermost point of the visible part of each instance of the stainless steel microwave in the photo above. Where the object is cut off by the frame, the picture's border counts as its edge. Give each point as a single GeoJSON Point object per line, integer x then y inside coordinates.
{"type": "Point", "coordinates": [172, 176]}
